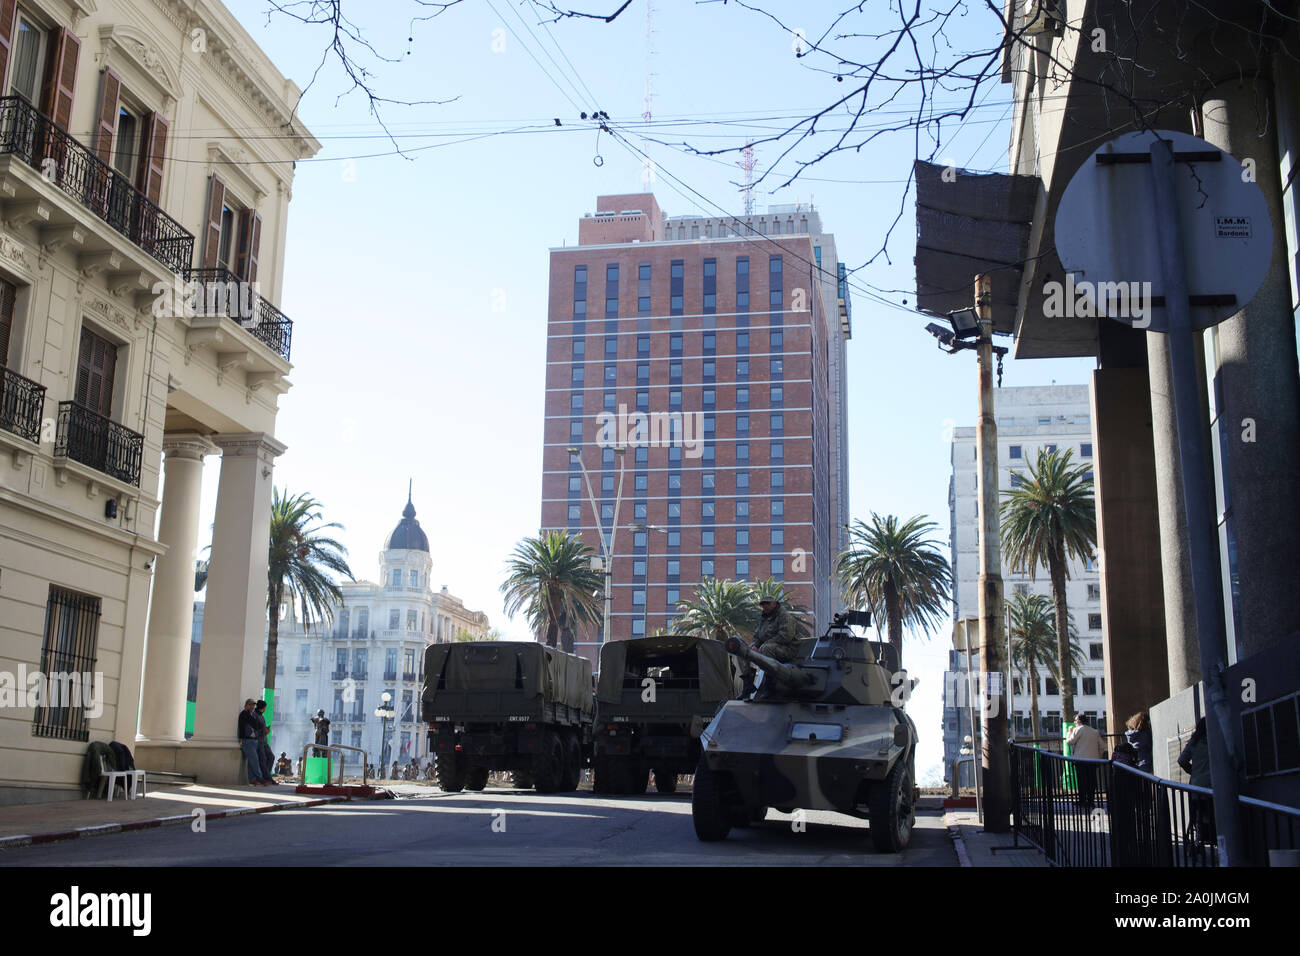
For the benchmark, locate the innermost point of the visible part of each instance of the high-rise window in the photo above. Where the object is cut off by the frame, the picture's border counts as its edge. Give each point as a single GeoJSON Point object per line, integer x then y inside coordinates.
{"type": "Point", "coordinates": [710, 286]}
{"type": "Point", "coordinates": [742, 284]}
{"type": "Point", "coordinates": [676, 286]}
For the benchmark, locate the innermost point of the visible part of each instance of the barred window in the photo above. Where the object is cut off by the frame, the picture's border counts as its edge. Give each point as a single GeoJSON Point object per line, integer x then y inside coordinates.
{"type": "Point", "coordinates": [68, 663]}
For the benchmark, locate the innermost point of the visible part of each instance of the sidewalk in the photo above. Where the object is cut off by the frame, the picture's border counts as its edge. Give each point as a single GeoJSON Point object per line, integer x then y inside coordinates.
{"type": "Point", "coordinates": [977, 848]}
{"type": "Point", "coordinates": [25, 824]}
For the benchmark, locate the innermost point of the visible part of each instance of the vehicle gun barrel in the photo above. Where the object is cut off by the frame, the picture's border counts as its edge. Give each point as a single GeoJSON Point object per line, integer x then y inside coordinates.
{"type": "Point", "coordinates": [785, 673]}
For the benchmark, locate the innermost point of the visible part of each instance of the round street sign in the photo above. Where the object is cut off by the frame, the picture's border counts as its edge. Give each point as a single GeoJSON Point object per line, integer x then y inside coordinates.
{"type": "Point", "coordinates": [1107, 234]}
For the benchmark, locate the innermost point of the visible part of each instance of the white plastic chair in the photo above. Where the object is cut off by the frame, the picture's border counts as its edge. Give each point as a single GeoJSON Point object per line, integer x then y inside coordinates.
{"type": "Point", "coordinates": [132, 781]}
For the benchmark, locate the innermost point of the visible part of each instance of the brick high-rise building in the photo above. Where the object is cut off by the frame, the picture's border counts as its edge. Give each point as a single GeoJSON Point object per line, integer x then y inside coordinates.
{"type": "Point", "coordinates": [712, 350]}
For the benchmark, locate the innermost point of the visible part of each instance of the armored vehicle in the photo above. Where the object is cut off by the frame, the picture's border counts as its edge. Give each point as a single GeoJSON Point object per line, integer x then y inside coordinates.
{"type": "Point", "coordinates": [653, 698]}
{"type": "Point", "coordinates": [826, 731]}
{"type": "Point", "coordinates": [502, 705]}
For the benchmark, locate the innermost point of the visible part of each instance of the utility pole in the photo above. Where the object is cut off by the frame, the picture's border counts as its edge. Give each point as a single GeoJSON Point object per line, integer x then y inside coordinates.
{"type": "Point", "coordinates": [997, 772]}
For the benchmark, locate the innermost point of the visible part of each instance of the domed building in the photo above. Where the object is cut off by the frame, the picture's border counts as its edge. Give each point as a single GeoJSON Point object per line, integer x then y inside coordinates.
{"type": "Point", "coordinates": [375, 645]}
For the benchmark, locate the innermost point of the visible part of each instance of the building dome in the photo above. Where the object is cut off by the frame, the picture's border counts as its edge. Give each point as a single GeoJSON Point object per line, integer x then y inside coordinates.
{"type": "Point", "coordinates": [407, 536]}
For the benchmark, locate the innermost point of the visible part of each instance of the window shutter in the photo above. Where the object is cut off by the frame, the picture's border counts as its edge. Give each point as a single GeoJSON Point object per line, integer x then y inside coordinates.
{"type": "Point", "coordinates": [96, 363]}
{"type": "Point", "coordinates": [8, 293]}
{"type": "Point", "coordinates": [61, 77]}
{"type": "Point", "coordinates": [151, 166]}
{"type": "Point", "coordinates": [250, 241]}
{"type": "Point", "coordinates": [110, 88]}
{"type": "Point", "coordinates": [8, 18]}
{"type": "Point", "coordinates": [212, 231]}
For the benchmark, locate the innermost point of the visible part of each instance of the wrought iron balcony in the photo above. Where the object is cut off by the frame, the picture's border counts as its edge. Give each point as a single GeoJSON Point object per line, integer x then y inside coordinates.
{"type": "Point", "coordinates": [21, 403]}
{"type": "Point", "coordinates": [339, 675]}
{"type": "Point", "coordinates": [358, 675]}
{"type": "Point", "coordinates": [98, 442]}
{"type": "Point", "coordinates": [226, 294]}
{"type": "Point", "coordinates": [68, 164]}
{"type": "Point", "coordinates": [390, 675]}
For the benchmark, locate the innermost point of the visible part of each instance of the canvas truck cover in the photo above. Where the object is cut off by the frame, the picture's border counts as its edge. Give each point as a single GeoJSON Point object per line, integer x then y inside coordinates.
{"type": "Point", "coordinates": [497, 666]}
{"type": "Point", "coordinates": [713, 662]}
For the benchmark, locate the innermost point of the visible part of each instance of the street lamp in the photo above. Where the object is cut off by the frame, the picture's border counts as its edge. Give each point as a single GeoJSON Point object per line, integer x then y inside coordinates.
{"type": "Point", "coordinates": [385, 713]}
{"type": "Point", "coordinates": [977, 323]}
{"type": "Point", "coordinates": [645, 608]}
{"type": "Point", "coordinates": [606, 541]}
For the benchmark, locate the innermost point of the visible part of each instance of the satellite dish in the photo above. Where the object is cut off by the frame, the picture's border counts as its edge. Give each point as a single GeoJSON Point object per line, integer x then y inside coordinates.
{"type": "Point", "coordinates": [1106, 234]}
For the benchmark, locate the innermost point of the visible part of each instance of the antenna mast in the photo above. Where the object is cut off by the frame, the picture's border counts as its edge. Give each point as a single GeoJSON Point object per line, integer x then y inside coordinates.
{"type": "Point", "coordinates": [647, 165]}
{"type": "Point", "coordinates": [747, 164]}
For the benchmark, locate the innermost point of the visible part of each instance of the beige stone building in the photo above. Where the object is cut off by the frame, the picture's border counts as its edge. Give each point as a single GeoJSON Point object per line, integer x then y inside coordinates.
{"type": "Point", "coordinates": [144, 145]}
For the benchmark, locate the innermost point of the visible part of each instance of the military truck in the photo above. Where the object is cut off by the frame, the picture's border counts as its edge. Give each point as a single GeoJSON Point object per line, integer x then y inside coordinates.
{"type": "Point", "coordinates": [826, 731]}
{"type": "Point", "coordinates": [507, 706]}
{"type": "Point", "coordinates": [653, 698]}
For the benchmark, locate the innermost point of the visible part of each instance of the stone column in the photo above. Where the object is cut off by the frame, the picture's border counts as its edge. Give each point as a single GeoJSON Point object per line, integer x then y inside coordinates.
{"type": "Point", "coordinates": [234, 616]}
{"type": "Point", "coordinates": [1259, 389]}
{"type": "Point", "coordinates": [171, 613]}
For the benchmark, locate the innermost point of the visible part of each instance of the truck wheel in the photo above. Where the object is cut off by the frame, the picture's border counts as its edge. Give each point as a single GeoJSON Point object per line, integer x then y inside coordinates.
{"type": "Point", "coordinates": [892, 812]}
{"type": "Point", "coordinates": [549, 767]}
{"type": "Point", "coordinates": [666, 780]}
{"type": "Point", "coordinates": [638, 777]}
{"type": "Point", "coordinates": [572, 764]}
{"type": "Point", "coordinates": [708, 809]}
{"type": "Point", "coordinates": [600, 776]}
{"type": "Point", "coordinates": [476, 778]}
{"type": "Point", "coordinates": [521, 780]}
{"type": "Point", "coordinates": [451, 776]}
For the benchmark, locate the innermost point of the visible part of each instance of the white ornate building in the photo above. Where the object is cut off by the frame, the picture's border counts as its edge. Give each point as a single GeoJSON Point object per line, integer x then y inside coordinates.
{"type": "Point", "coordinates": [135, 156]}
{"type": "Point", "coordinates": [375, 645]}
{"type": "Point", "coordinates": [1028, 418]}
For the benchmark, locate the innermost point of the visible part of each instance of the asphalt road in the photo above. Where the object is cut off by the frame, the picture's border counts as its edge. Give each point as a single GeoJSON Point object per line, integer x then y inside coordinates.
{"type": "Point", "coordinates": [496, 828]}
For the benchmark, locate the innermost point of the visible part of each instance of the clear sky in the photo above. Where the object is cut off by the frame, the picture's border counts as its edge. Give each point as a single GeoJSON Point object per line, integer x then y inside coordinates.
{"type": "Point", "coordinates": [418, 284]}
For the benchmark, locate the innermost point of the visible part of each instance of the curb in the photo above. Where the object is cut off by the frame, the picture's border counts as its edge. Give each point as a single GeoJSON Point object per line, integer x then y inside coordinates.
{"type": "Point", "coordinates": [958, 844]}
{"type": "Point", "coordinates": [58, 836]}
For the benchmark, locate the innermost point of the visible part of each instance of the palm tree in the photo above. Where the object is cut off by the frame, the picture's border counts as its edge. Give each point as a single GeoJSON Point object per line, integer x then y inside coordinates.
{"type": "Point", "coordinates": [720, 609]}
{"type": "Point", "coordinates": [550, 578]}
{"type": "Point", "coordinates": [896, 573]}
{"type": "Point", "coordinates": [1034, 645]}
{"type": "Point", "coordinates": [1048, 517]}
{"type": "Point", "coordinates": [298, 565]}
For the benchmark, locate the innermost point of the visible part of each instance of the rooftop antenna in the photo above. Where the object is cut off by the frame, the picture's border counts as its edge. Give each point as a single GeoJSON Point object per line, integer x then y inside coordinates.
{"type": "Point", "coordinates": [747, 164]}
{"type": "Point", "coordinates": [647, 165]}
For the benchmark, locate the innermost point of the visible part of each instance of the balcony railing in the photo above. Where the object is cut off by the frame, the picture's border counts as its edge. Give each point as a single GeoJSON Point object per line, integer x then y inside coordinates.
{"type": "Point", "coordinates": [390, 675]}
{"type": "Point", "coordinates": [339, 675]}
{"type": "Point", "coordinates": [64, 161]}
{"type": "Point", "coordinates": [226, 294]}
{"type": "Point", "coordinates": [99, 442]}
{"type": "Point", "coordinates": [21, 404]}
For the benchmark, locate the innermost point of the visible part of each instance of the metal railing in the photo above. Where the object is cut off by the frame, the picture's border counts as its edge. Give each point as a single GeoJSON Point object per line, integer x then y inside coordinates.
{"type": "Point", "coordinates": [99, 442]}
{"type": "Point", "coordinates": [21, 403]}
{"type": "Point", "coordinates": [225, 293]}
{"type": "Point", "coordinates": [65, 162]}
{"type": "Point", "coordinates": [1083, 812]}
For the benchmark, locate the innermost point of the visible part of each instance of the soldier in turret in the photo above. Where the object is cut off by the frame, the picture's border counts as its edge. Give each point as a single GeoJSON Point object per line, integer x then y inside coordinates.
{"type": "Point", "coordinates": [777, 635]}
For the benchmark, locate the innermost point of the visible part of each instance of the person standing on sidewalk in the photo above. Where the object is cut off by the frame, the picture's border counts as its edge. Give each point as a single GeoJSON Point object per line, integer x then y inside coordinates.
{"type": "Point", "coordinates": [1085, 743]}
{"type": "Point", "coordinates": [249, 739]}
{"type": "Point", "coordinates": [265, 755]}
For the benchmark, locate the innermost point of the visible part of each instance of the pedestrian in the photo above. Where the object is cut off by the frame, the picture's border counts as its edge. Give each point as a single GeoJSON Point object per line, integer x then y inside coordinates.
{"type": "Point", "coordinates": [1195, 761]}
{"type": "Point", "coordinates": [248, 743]}
{"type": "Point", "coordinates": [1138, 735]}
{"type": "Point", "coordinates": [284, 766]}
{"type": "Point", "coordinates": [322, 725]}
{"type": "Point", "coordinates": [264, 752]}
{"type": "Point", "coordinates": [1085, 744]}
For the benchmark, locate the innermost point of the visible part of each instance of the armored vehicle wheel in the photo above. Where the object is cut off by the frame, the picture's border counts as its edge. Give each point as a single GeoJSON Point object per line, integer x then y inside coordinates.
{"type": "Point", "coordinates": [709, 811]}
{"type": "Point", "coordinates": [521, 780]}
{"type": "Point", "coordinates": [451, 775]}
{"type": "Point", "coordinates": [572, 764]}
{"type": "Point", "coordinates": [892, 812]}
{"type": "Point", "coordinates": [600, 776]}
{"type": "Point", "coordinates": [549, 767]}
{"type": "Point", "coordinates": [476, 778]}
{"type": "Point", "coordinates": [666, 780]}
